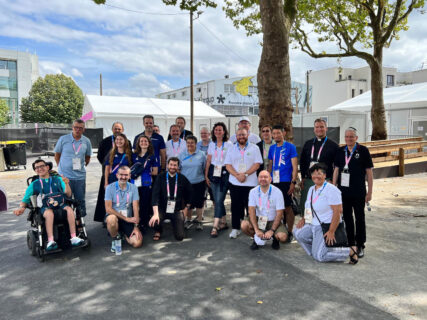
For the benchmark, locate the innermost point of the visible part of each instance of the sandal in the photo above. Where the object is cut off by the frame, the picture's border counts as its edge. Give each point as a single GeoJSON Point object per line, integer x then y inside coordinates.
{"type": "Point", "coordinates": [156, 236]}
{"type": "Point", "coordinates": [223, 226]}
{"type": "Point", "coordinates": [353, 261]}
{"type": "Point", "coordinates": [214, 232]}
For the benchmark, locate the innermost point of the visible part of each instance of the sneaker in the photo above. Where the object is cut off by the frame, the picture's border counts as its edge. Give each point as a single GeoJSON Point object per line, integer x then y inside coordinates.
{"type": "Point", "coordinates": [113, 246]}
{"type": "Point", "coordinates": [76, 241]}
{"type": "Point", "coordinates": [290, 237]}
{"type": "Point", "coordinates": [188, 224]}
{"type": "Point", "coordinates": [51, 245]}
{"type": "Point", "coordinates": [276, 244]}
{"type": "Point", "coordinates": [234, 233]}
{"type": "Point", "coordinates": [254, 246]}
{"type": "Point", "coordinates": [360, 252]}
{"type": "Point", "coordinates": [199, 225]}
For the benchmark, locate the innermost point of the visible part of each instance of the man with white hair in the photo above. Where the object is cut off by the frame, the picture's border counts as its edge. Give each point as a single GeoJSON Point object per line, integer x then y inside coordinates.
{"type": "Point", "coordinates": [245, 123]}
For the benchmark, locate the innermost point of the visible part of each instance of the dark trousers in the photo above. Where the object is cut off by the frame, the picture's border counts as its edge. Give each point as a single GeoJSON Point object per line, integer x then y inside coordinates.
{"type": "Point", "coordinates": [145, 208]}
{"type": "Point", "coordinates": [356, 205]}
{"type": "Point", "coordinates": [177, 221]}
{"type": "Point", "coordinates": [239, 202]}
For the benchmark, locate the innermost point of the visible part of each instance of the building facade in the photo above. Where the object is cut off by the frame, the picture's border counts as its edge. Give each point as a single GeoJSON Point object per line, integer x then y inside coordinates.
{"type": "Point", "coordinates": [18, 71]}
{"type": "Point", "coordinates": [334, 85]}
{"type": "Point", "coordinates": [236, 96]}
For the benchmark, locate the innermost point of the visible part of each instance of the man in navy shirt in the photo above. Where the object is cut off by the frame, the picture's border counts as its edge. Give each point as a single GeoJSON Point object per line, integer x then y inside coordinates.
{"type": "Point", "coordinates": [156, 139]}
{"type": "Point", "coordinates": [283, 166]}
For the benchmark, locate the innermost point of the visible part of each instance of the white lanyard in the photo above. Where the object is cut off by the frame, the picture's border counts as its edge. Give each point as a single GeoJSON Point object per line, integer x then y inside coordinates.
{"type": "Point", "coordinates": [282, 150]}
{"type": "Point", "coordinates": [177, 149]}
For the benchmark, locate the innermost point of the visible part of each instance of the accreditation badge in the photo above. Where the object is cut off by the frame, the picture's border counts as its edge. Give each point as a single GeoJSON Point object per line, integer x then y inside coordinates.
{"type": "Point", "coordinates": [217, 171]}
{"type": "Point", "coordinates": [276, 176]}
{"type": "Point", "coordinates": [138, 182]}
{"type": "Point", "coordinates": [312, 163]}
{"type": "Point", "coordinates": [345, 179]}
{"type": "Point", "coordinates": [242, 167]}
{"type": "Point", "coordinates": [77, 165]}
{"type": "Point", "coordinates": [170, 208]}
{"type": "Point", "coordinates": [308, 215]}
{"type": "Point", "coordinates": [124, 213]}
{"type": "Point", "coordinates": [262, 222]}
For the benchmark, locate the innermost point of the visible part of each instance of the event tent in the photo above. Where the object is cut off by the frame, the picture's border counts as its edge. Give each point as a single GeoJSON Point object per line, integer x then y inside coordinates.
{"type": "Point", "coordinates": [104, 110]}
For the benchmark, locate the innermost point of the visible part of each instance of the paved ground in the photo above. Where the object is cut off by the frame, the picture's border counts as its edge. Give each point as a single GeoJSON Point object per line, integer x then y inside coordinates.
{"type": "Point", "coordinates": [204, 278]}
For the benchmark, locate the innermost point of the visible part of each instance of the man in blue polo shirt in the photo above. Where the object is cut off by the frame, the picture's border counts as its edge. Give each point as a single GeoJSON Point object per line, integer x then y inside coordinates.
{"type": "Point", "coordinates": [72, 154]}
{"type": "Point", "coordinates": [283, 166]}
{"type": "Point", "coordinates": [156, 139]}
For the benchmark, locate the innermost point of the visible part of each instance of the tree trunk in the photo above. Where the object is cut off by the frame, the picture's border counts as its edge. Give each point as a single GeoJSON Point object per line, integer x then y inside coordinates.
{"type": "Point", "coordinates": [379, 130]}
{"type": "Point", "coordinates": [274, 78]}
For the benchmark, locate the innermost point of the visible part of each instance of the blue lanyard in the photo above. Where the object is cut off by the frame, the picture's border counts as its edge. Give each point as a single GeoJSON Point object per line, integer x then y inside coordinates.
{"type": "Point", "coordinates": [50, 184]}
{"type": "Point", "coordinates": [179, 144]}
{"type": "Point", "coordinates": [347, 159]}
{"type": "Point", "coordinates": [117, 166]}
{"type": "Point", "coordinates": [189, 156]}
{"type": "Point", "coordinates": [320, 150]}
{"type": "Point", "coordinates": [121, 193]}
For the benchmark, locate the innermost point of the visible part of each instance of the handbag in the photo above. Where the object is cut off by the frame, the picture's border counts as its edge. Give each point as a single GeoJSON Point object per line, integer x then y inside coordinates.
{"type": "Point", "coordinates": [340, 234]}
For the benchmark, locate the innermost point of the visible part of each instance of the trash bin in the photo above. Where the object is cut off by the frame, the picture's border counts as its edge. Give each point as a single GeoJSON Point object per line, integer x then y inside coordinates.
{"type": "Point", "coordinates": [15, 153]}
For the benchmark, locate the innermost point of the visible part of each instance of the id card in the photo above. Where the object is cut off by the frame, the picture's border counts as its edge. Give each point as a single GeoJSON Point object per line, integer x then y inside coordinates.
{"type": "Point", "coordinates": [124, 213]}
{"type": "Point", "coordinates": [262, 222]}
{"type": "Point", "coordinates": [308, 215]}
{"type": "Point", "coordinates": [312, 163]}
{"type": "Point", "coordinates": [138, 182]}
{"type": "Point", "coordinates": [77, 165]}
{"type": "Point", "coordinates": [39, 201]}
{"type": "Point", "coordinates": [217, 171]}
{"type": "Point", "coordinates": [170, 208]}
{"type": "Point", "coordinates": [242, 167]}
{"type": "Point", "coordinates": [276, 176]}
{"type": "Point", "coordinates": [345, 179]}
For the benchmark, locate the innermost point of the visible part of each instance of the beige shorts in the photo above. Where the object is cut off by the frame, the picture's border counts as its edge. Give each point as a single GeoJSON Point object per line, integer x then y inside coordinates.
{"type": "Point", "coordinates": [280, 228]}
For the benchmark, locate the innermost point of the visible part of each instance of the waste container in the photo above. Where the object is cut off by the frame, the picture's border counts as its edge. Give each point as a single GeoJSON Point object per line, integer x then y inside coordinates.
{"type": "Point", "coordinates": [15, 154]}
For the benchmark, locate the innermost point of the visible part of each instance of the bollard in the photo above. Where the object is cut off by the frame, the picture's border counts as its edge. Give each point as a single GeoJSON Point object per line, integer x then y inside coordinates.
{"type": "Point", "coordinates": [401, 162]}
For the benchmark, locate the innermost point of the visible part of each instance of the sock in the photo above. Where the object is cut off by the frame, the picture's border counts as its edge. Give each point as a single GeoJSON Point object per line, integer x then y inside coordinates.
{"type": "Point", "coordinates": [73, 235]}
{"type": "Point", "coordinates": [49, 239]}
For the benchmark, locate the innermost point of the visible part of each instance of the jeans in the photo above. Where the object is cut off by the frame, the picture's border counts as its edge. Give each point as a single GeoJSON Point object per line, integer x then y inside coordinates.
{"type": "Point", "coordinates": [78, 188]}
{"type": "Point", "coordinates": [219, 198]}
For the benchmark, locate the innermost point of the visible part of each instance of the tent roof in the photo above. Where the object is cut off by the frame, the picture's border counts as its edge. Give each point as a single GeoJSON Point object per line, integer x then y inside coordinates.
{"type": "Point", "coordinates": [134, 106]}
{"type": "Point", "coordinates": [403, 97]}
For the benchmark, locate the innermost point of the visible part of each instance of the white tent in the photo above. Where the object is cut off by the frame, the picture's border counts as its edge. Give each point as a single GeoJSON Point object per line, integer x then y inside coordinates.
{"type": "Point", "coordinates": [130, 110]}
{"type": "Point", "coordinates": [403, 97]}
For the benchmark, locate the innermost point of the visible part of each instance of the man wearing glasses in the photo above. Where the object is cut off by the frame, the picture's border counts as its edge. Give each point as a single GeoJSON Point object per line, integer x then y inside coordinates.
{"type": "Point", "coordinates": [264, 146]}
{"type": "Point", "coordinates": [72, 154]}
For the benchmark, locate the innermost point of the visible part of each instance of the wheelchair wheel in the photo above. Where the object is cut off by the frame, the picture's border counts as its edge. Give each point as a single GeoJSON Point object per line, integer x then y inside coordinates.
{"type": "Point", "coordinates": [40, 254]}
{"type": "Point", "coordinates": [32, 242]}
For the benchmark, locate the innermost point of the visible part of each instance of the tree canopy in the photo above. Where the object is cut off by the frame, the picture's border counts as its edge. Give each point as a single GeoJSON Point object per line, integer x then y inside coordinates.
{"type": "Point", "coordinates": [4, 113]}
{"type": "Point", "coordinates": [55, 99]}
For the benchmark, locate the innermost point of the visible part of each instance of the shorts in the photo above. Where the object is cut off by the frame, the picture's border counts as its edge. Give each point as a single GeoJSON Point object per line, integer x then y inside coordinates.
{"type": "Point", "coordinates": [126, 227]}
{"type": "Point", "coordinates": [198, 195]}
{"type": "Point", "coordinates": [56, 211]}
{"type": "Point", "coordinates": [280, 228]}
{"type": "Point", "coordinates": [284, 187]}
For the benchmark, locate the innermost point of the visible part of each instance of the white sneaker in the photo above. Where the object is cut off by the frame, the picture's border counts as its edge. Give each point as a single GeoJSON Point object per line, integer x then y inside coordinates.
{"type": "Point", "coordinates": [51, 245]}
{"type": "Point", "coordinates": [76, 241]}
{"type": "Point", "coordinates": [234, 233]}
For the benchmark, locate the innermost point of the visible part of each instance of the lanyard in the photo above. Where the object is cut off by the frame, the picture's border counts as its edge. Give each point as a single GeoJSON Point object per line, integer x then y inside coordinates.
{"type": "Point", "coordinates": [265, 155]}
{"type": "Point", "coordinates": [74, 148]}
{"type": "Point", "coordinates": [320, 150]}
{"type": "Point", "coordinates": [222, 152]}
{"type": "Point", "coordinates": [268, 198]}
{"type": "Point", "coordinates": [282, 150]}
{"type": "Point", "coordinates": [146, 160]}
{"type": "Point", "coordinates": [167, 185]}
{"type": "Point", "coordinates": [242, 152]}
{"type": "Point", "coordinates": [112, 141]}
{"type": "Point", "coordinates": [117, 194]}
{"type": "Point", "coordinates": [317, 197]}
{"type": "Point", "coordinates": [177, 149]}
{"type": "Point", "coordinates": [50, 184]}
{"type": "Point", "coordinates": [183, 134]}
{"type": "Point", "coordinates": [189, 156]}
{"type": "Point", "coordinates": [115, 168]}
{"type": "Point", "coordinates": [347, 159]}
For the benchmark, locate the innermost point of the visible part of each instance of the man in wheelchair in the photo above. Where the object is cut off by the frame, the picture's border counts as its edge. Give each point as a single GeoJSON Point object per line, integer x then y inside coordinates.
{"type": "Point", "coordinates": [50, 191]}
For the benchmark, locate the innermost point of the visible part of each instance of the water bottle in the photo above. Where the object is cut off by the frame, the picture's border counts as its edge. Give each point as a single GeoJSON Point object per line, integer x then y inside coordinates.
{"type": "Point", "coordinates": [368, 206]}
{"type": "Point", "coordinates": [118, 244]}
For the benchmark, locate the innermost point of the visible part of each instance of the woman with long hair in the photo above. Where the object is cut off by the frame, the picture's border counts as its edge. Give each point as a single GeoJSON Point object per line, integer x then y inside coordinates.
{"type": "Point", "coordinates": [120, 155]}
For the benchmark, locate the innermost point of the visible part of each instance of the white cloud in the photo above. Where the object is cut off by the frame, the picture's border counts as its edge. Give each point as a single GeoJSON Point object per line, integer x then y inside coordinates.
{"type": "Point", "coordinates": [50, 67]}
{"type": "Point", "coordinates": [76, 73]}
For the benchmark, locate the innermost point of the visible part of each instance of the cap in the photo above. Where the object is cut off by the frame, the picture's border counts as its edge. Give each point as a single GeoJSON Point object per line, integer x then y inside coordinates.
{"type": "Point", "coordinates": [244, 119]}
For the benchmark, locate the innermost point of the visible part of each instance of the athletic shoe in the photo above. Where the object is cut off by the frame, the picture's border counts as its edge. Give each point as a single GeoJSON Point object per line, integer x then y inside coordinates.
{"type": "Point", "coordinates": [113, 246]}
{"type": "Point", "coordinates": [360, 252]}
{"type": "Point", "coordinates": [234, 233]}
{"type": "Point", "coordinates": [290, 237]}
{"type": "Point", "coordinates": [51, 245]}
{"type": "Point", "coordinates": [76, 241]}
{"type": "Point", "coordinates": [275, 245]}
{"type": "Point", "coordinates": [199, 225]}
{"type": "Point", "coordinates": [188, 224]}
{"type": "Point", "coordinates": [254, 246]}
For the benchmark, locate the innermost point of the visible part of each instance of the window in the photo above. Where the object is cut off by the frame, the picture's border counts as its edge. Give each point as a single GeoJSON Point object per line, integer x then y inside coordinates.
{"type": "Point", "coordinates": [252, 90]}
{"type": "Point", "coordinates": [199, 89]}
{"type": "Point", "coordinates": [169, 96]}
{"type": "Point", "coordinates": [340, 77]}
{"type": "Point", "coordinates": [390, 80]}
{"type": "Point", "coordinates": [174, 96]}
{"type": "Point", "coordinates": [349, 77]}
{"type": "Point", "coordinates": [228, 88]}
{"type": "Point", "coordinates": [3, 64]}
{"type": "Point", "coordinates": [352, 93]}
{"type": "Point", "coordinates": [183, 93]}
{"type": "Point", "coordinates": [361, 91]}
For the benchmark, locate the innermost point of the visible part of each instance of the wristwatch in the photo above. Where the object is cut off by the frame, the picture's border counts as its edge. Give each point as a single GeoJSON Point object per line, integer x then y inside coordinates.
{"type": "Point", "coordinates": [246, 175]}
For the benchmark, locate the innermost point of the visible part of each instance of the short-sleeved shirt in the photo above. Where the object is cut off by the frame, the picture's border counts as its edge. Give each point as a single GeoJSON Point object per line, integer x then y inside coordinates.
{"type": "Point", "coordinates": [82, 147]}
{"type": "Point", "coordinates": [219, 153]}
{"type": "Point", "coordinates": [329, 195]}
{"type": "Point", "coordinates": [113, 191]}
{"type": "Point", "coordinates": [174, 149]}
{"type": "Point", "coordinates": [275, 198]}
{"type": "Point", "coordinates": [252, 138]}
{"type": "Point", "coordinates": [35, 187]}
{"type": "Point", "coordinates": [251, 155]}
{"type": "Point", "coordinates": [148, 162]}
{"type": "Point", "coordinates": [203, 148]}
{"type": "Point", "coordinates": [158, 144]}
{"type": "Point", "coordinates": [359, 162]}
{"type": "Point", "coordinates": [282, 160]}
{"type": "Point", "coordinates": [327, 155]}
{"type": "Point", "coordinates": [193, 166]}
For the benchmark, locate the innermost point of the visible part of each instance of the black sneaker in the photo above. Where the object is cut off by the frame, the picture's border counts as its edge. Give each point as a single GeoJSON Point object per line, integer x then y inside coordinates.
{"type": "Point", "coordinates": [290, 237]}
{"type": "Point", "coordinates": [360, 252]}
{"type": "Point", "coordinates": [276, 244]}
{"type": "Point", "coordinates": [254, 246]}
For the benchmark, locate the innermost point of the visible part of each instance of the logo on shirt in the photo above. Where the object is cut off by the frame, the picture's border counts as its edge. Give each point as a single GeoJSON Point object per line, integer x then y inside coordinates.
{"type": "Point", "coordinates": [356, 155]}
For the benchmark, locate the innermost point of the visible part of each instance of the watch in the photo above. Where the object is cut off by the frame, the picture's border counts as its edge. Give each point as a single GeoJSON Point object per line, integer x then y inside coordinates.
{"type": "Point", "coordinates": [246, 175]}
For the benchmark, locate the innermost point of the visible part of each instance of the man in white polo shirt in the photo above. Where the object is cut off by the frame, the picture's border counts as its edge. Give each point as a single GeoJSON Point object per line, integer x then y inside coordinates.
{"type": "Point", "coordinates": [176, 145]}
{"type": "Point", "coordinates": [266, 206]}
{"type": "Point", "coordinates": [245, 123]}
{"type": "Point", "coordinates": [242, 162]}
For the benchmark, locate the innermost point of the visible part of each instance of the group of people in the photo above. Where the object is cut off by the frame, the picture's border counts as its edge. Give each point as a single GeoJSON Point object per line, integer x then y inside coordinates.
{"type": "Point", "coordinates": [151, 180]}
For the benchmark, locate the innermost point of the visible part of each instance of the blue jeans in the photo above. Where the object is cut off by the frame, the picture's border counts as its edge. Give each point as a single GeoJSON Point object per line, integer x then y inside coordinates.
{"type": "Point", "coordinates": [78, 188]}
{"type": "Point", "coordinates": [219, 197]}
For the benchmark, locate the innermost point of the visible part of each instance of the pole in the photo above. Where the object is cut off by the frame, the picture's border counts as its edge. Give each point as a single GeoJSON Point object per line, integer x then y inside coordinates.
{"type": "Point", "coordinates": [191, 73]}
{"type": "Point", "coordinates": [100, 84]}
{"type": "Point", "coordinates": [307, 96]}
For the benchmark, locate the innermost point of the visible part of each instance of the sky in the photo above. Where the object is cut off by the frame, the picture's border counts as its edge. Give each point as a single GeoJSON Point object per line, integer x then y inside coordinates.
{"type": "Point", "coordinates": [143, 49]}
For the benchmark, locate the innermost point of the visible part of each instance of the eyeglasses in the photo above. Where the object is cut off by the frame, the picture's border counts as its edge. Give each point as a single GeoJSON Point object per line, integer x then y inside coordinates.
{"type": "Point", "coordinates": [123, 175]}
{"type": "Point", "coordinates": [78, 128]}
{"type": "Point", "coordinates": [39, 167]}
{"type": "Point", "coordinates": [263, 131]}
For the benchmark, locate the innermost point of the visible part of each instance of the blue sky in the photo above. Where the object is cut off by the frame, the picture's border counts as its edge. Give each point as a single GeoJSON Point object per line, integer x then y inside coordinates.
{"type": "Point", "coordinates": [144, 54]}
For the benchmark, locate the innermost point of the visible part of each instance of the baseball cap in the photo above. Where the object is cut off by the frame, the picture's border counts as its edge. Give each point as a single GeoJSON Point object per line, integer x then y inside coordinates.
{"type": "Point", "coordinates": [244, 119]}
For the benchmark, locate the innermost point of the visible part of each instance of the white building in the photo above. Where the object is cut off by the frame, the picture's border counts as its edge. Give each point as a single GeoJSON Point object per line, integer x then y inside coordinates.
{"type": "Point", "coordinates": [334, 85]}
{"type": "Point", "coordinates": [18, 71]}
{"type": "Point", "coordinates": [234, 96]}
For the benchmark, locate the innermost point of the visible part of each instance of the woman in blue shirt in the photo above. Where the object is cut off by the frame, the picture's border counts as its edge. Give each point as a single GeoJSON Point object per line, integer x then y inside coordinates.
{"type": "Point", "coordinates": [144, 168]}
{"type": "Point", "coordinates": [120, 155]}
{"type": "Point", "coordinates": [193, 167]}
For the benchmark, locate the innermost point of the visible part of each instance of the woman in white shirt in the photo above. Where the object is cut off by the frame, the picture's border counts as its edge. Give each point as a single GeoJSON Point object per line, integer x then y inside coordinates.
{"type": "Point", "coordinates": [323, 205]}
{"type": "Point", "coordinates": [216, 175]}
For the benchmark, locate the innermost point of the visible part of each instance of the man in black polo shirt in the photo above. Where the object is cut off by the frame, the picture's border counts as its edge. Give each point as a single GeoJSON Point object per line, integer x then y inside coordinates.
{"type": "Point", "coordinates": [180, 122]}
{"type": "Point", "coordinates": [264, 146]}
{"type": "Point", "coordinates": [353, 164]}
{"type": "Point", "coordinates": [156, 139]}
{"type": "Point", "coordinates": [320, 149]}
{"type": "Point", "coordinates": [171, 194]}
